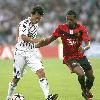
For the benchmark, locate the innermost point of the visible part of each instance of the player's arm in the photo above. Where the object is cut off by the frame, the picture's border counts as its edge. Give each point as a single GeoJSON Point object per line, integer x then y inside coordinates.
{"type": "Point", "coordinates": [29, 39]}
{"type": "Point", "coordinates": [86, 39]}
{"type": "Point", "coordinates": [24, 37]}
{"type": "Point", "coordinates": [23, 33]}
{"type": "Point", "coordinates": [49, 39]}
{"type": "Point", "coordinates": [45, 41]}
{"type": "Point", "coordinates": [86, 47]}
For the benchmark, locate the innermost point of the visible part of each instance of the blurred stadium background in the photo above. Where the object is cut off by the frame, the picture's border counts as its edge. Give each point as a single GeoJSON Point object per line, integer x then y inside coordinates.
{"type": "Point", "coordinates": [13, 11]}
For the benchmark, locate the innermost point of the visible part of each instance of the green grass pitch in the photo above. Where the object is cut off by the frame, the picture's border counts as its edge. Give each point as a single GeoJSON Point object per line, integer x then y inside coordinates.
{"type": "Point", "coordinates": [60, 80]}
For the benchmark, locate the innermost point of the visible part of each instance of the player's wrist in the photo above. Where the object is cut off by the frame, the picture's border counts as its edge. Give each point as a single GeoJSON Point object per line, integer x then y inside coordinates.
{"type": "Point", "coordinates": [31, 40]}
{"type": "Point", "coordinates": [85, 48]}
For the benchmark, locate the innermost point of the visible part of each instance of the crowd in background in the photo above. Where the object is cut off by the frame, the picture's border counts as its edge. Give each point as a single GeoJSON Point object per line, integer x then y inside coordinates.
{"type": "Point", "coordinates": [13, 11]}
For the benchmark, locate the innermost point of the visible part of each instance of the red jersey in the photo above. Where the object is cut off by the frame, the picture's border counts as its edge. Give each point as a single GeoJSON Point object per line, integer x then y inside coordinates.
{"type": "Point", "coordinates": [72, 40]}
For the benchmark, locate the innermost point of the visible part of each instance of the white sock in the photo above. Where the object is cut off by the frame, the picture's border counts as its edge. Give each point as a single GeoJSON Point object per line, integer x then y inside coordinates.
{"type": "Point", "coordinates": [11, 89]}
{"type": "Point", "coordinates": [44, 85]}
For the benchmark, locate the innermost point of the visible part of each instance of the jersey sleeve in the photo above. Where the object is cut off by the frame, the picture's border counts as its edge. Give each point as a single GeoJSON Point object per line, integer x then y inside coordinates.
{"type": "Point", "coordinates": [23, 28]}
{"type": "Point", "coordinates": [85, 35]}
{"type": "Point", "coordinates": [56, 32]}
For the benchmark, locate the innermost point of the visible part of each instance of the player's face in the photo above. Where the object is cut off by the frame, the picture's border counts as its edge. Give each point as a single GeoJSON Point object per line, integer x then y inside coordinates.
{"type": "Point", "coordinates": [71, 21]}
{"type": "Point", "coordinates": [36, 18]}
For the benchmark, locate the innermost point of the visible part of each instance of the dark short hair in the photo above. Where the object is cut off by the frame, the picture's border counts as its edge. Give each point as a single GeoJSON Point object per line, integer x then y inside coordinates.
{"type": "Point", "coordinates": [72, 12]}
{"type": "Point", "coordinates": [37, 9]}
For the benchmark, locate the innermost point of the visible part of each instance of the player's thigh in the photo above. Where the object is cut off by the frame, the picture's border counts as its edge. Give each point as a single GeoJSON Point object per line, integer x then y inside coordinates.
{"type": "Point", "coordinates": [75, 67]}
{"type": "Point", "coordinates": [72, 63]}
{"type": "Point", "coordinates": [34, 63]}
{"type": "Point", "coordinates": [85, 64]}
{"type": "Point", "coordinates": [19, 64]}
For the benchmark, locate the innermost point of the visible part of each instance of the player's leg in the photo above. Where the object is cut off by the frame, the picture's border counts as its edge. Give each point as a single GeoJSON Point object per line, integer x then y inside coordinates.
{"type": "Point", "coordinates": [12, 86]}
{"type": "Point", "coordinates": [89, 81]}
{"type": "Point", "coordinates": [36, 65]}
{"type": "Point", "coordinates": [44, 85]}
{"type": "Point", "coordinates": [76, 68]}
{"type": "Point", "coordinates": [89, 76]}
{"type": "Point", "coordinates": [43, 82]}
{"type": "Point", "coordinates": [18, 64]}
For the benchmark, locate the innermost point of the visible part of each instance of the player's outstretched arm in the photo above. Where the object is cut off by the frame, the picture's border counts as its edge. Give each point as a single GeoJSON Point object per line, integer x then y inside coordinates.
{"type": "Point", "coordinates": [86, 47]}
{"type": "Point", "coordinates": [45, 41]}
{"type": "Point", "coordinates": [28, 39]}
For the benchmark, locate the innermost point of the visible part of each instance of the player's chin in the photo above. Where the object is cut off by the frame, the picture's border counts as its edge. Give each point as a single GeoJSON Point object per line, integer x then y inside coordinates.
{"type": "Point", "coordinates": [70, 25]}
{"type": "Point", "coordinates": [35, 22]}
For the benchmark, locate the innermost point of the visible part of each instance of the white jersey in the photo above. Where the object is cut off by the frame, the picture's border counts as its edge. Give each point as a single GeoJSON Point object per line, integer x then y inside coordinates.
{"type": "Point", "coordinates": [27, 28]}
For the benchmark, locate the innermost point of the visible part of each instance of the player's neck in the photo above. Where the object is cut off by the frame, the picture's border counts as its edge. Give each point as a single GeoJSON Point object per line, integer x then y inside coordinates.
{"type": "Point", "coordinates": [72, 27]}
{"type": "Point", "coordinates": [31, 21]}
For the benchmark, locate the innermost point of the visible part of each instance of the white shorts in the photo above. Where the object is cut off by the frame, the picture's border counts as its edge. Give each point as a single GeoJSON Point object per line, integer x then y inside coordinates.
{"type": "Point", "coordinates": [23, 58]}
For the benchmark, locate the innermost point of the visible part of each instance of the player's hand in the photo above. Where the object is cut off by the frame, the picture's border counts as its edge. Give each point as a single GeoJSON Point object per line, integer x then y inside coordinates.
{"type": "Point", "coordinates": [36, 40]}
{"type": "Point", "coordinates": [41, 41]}
{"type": "Point", "coordinates": [81, 49]}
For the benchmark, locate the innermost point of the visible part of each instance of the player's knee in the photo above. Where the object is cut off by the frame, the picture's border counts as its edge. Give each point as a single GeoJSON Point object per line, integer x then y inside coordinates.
{"type": "Point", "coordinates": [12, 84]}
{"type": "Point", "coordinates": [81, 76]}
{"type": "Point", "coordinates": [15, 80]}
{"type": "Point", "coordinates": [40, 73]}
{"type": "Point", "coordinates": [17, 73]}
{"type": "Point", "coordinates": [92, 78]}
{"type": "Point", "coordinates": [79, 71]}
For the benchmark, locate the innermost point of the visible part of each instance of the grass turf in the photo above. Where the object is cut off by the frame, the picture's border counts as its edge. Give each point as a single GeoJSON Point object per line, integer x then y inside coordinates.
{"type": "Point", "coordinates": [60, 81]}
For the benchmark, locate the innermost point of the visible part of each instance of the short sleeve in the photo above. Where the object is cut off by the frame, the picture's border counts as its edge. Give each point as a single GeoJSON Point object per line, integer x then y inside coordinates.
{"type": "Point", "coordinates": [23, 28]}
{"type": "Point", "coordinates": [56, 32]}
{"type": "Point", "coordinates": [85, 35]}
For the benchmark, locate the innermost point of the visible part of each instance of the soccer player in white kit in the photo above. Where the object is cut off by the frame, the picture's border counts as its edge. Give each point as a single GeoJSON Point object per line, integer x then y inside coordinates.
{"type": "Point", "coordinates": [27, 54]}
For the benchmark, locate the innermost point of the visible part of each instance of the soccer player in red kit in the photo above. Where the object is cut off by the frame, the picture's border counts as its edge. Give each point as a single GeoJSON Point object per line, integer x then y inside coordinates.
{"type": "Point", "coordinates": [72, 35]}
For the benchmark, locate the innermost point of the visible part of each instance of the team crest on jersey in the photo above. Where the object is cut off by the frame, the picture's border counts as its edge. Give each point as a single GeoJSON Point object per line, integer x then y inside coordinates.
{"type": "Point", "coordinates": [78, 34]}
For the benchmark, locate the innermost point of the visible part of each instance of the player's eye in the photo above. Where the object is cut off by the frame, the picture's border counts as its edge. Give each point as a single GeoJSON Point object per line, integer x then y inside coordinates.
{"type": "Point", "coordinates": [70, 18]}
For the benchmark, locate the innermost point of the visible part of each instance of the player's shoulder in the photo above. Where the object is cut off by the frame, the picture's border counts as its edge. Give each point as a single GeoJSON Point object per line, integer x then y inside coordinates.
{"type": "Point", "coordinates": [25, 22]}
{"type": "Point", "coordinates": [81, 26]}
{"type": "Point", "coordinates": [61, 25]}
